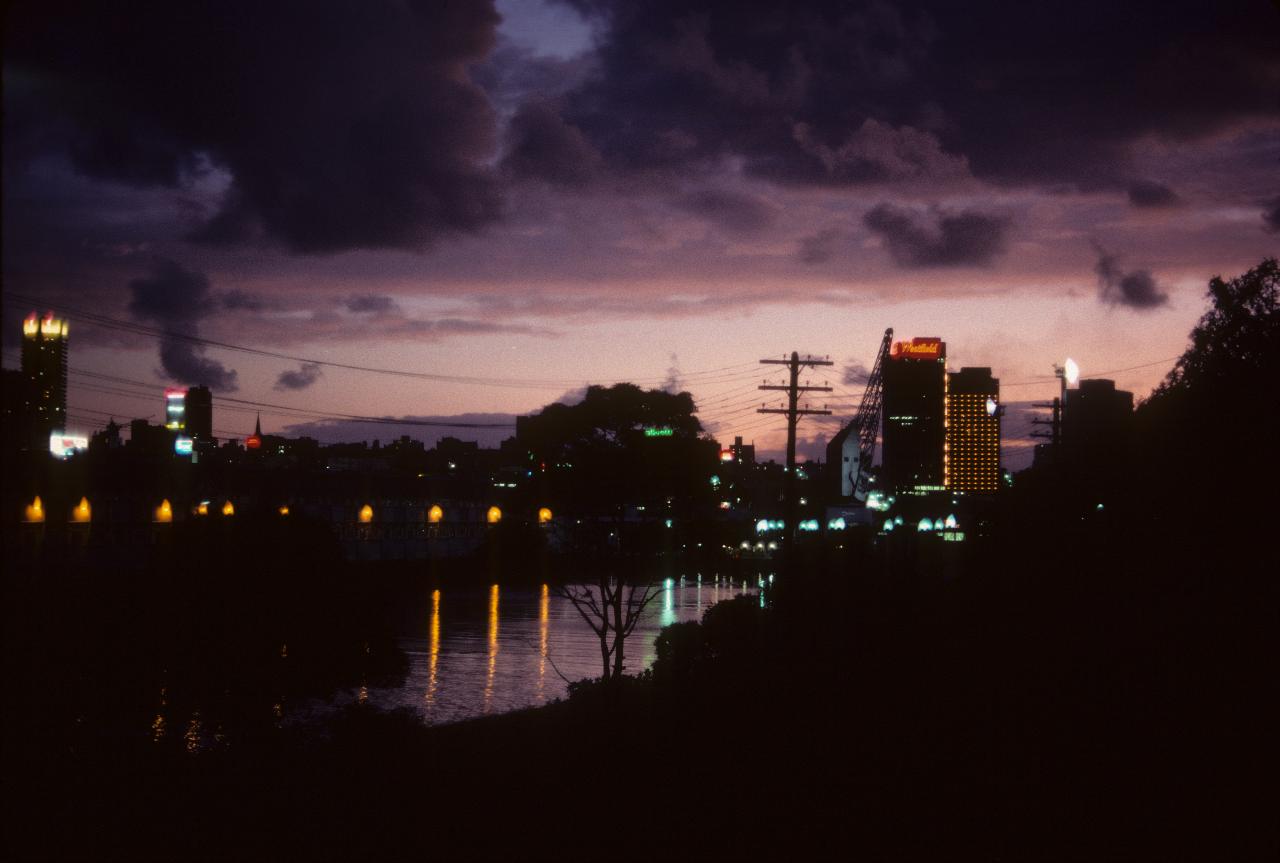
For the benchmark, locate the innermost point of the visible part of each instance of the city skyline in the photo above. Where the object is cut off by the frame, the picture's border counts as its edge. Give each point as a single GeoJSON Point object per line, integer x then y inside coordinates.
{"type": "Point", "coordinates": [523, 242]}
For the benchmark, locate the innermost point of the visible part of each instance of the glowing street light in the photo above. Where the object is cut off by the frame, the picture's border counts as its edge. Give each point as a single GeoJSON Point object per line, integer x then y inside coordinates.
{"type": "Point", "coordinates": [228, 509]}
{"type": "Point", "coordinates": [494, 515]}
{"type": "Point", "coordinates": [81, 514]}
{"type": "Point", "coordinates": [544, 515]}
{"type": "Point", "coordinates": [34, 513]}
{"type": "Point", "coordinates": [366, 514]}
{"type": "Point", "coordinates": [164, 512]}
{"type": "Point", "coordinates": [435, 514]}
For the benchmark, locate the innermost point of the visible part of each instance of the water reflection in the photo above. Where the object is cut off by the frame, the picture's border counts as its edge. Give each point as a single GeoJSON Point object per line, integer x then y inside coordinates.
{"type": "Point", "coordinates": [493, 646]}
{"type": "Point", "coordinates": [544, 623]}
{"type": "Point", "coordinates": [434, 660]}
{"type": "Point", "coordinates": [454, 669]}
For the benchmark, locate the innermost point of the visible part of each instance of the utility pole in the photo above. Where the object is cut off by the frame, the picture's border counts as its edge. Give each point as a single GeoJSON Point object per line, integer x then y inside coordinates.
{"type": "Point", "coordinates": [793, 412]}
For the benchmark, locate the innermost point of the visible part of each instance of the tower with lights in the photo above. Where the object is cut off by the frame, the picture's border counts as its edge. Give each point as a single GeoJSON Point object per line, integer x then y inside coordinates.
{"type": "Point", "coordinates": [971, 455]}
{"type": "Point", "coordinates": [44, 373]}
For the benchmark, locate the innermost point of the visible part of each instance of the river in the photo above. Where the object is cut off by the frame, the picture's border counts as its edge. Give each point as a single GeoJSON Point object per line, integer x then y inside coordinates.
{"type": "Point", "coordinates": [479, 652]}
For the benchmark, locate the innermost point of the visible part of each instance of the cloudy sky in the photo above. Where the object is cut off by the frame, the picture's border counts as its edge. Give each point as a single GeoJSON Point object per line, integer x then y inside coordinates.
{"type": "Point", "coordinates": [502, 203]}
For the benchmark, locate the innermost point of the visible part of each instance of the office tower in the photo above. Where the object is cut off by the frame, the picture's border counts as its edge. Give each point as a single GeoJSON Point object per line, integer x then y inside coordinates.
{"type": "Point", "coordinates": [44, 369]}
{"type": "Point", "coordinates": [972, 452]}
{"type": "Point", "coordinates": [175, 409]}
{"type": "Point", "coordinates": [199, 414]}
{"type": "Point", "coordinates": [1097, 424]}
{"type": "Point", "coordinates": [915, 385]}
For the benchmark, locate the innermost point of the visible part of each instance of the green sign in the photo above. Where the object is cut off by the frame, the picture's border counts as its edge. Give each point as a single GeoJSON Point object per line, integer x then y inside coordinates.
{"type": "Point", "coordinates": [658, 431]}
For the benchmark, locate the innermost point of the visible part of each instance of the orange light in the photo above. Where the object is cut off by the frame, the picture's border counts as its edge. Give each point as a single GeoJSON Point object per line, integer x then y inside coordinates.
{"type": "Point", "coordinates": [366, 514]}
{"type": "Point", "coordinates": [435, 514]}
{"type": "Point", "coordinates": [203, 508]}
{"type": "Point", "coordinates": [252, 442]}
{"type": "Point", "coordinates": [31, 325]}
{"type": "Point", "coordinates": [544, 515]}
{"type": "Point", "coordinates": [228, 508]}
{"type": "Point", "coordinates": [284, 510]}
{"type": "Point", "coordinates": [494, 515]}
{"type": "Point", "coordinates": [164, 512]}
{"type": "Point", "coordinates": [35, 511]}
{"type": "Point", "coordinates": [82, 511]}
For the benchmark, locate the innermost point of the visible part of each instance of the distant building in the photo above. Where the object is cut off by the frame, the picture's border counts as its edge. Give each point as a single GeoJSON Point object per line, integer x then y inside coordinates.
{"type": "Point", "coordinates": [743, 454]}
{"type": "Point", "coordinates": [44, 368]}
{"type": "Point", "coordinates": [915, 386]}
{"type": "Point", "coordinates": [1097, 425]}
{"type": "Point", "coordinates": [972, 451]}
{"type": "Point", "coordinates": [175, 409]}
{"type": "Point", "coordinates": [199, 414]}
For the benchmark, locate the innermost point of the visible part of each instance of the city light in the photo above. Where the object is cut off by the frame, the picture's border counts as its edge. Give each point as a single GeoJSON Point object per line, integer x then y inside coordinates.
{"type": "Point", "coordinates": [82, 512]}
{"type": "Point", "coordinates": [183, 445]}
{"type": "Point", "coordinates": [35, 511]}
{"type": "Point", "coordinates": [284, 510]}
{"type": "Point", "coordinates": [366, 514]}
{"type": "Point", "coordinates": [544, 515]}
{"type": "Point", "coordinates": [228, 509]}
{"type": "Point", "coordinates": [164, 512]}
{"type": "Point", "coordinates": [435, 514]}
{"type": "Point", "coordinates": [202, 508]}
{"type": "Point", "coordinates": [494, 515]}
{"type": "Point", "coordinates": [65, 445]}
{"type": "Point", "coordinates": [1071, 370]}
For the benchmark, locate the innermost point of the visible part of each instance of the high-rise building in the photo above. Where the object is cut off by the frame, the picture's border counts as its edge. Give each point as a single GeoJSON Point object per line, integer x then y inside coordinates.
{"type": "Point", "coordinates": [199, 413]}
{"type": "Point", "coordinates": [915, 387]}
{"type": "Point", "coordinates": [971, 458]}
{"type": "Point", "coordinates": [175, 409]}
{"type": "Point", "coordinates": [44, 368]}
{"type": "Point", "coordinates": [1097, 424]}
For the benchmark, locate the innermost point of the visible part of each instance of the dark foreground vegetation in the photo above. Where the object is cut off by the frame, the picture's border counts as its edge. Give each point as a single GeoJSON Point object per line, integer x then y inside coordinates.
{"type": "Point", "coordinates": [1091, 684]}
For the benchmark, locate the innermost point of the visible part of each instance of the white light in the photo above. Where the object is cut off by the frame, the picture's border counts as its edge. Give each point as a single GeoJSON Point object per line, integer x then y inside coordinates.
{"type": "Point", "coordinates": [1072, 370]}
{"type": "Point", "coordinates": [991, 407]}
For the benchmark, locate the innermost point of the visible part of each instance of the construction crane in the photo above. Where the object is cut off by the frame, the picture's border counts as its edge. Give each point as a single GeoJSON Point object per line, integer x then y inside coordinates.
{"type": "Point", "coordinates": [855, 445]}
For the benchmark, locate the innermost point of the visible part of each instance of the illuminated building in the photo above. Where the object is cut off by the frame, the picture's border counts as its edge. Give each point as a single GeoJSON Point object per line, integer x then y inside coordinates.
{"type": "Point", "coordinates": [915, 389]}
{"type": "Point", "coordinates": [199, 413]}
{"type": "Point", "coordinates": [254, 441]}
{"type": "Point", "coordinates": [971, 457]}
{"type": "Point", "coordinates": [44, 369]}
{"type": "Point", "coordinates": [175, 409]}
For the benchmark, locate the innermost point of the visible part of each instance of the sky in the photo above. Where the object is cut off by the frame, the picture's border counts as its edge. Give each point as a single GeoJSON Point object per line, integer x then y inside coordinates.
{"type": "Point", "coordinates": [502, 203]}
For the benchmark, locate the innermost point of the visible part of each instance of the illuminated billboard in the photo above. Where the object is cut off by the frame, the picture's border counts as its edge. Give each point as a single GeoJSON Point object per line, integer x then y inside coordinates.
{"type": "Point", "coordinates": [183, 445]}
{"type": "Point", "coordinates": [64, 445]}
{"type": "Point", "coordinates": [919, 349]}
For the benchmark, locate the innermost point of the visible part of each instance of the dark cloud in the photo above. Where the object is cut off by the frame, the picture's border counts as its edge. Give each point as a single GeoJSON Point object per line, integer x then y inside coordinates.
{"type": "Point", "coordinates": [342, 125]}
{"type": "Point", "coordinates": [370, 304]}
{"type": "Point", "coordinates": [854, 374]}
{"type": "Point", "coordinates": [1148, 193]}
{"type": "Point", "coordinates": [1135, 289]}
{"type": "Point", "coordinates": [737, 212]}
{"type": "Point", "coordinates": [967, 238]}
{"type": "Point", "coordinates": [847, 92]}
{"type": "Point", "coordinates": [306, 375]}
{"type": "Point", "coordinates": [1271, 216]}
{"type": "Point", "coordinates": [176, 299]}
{"type": "Point", "coordinates": [541, 145]}
{"type": "Point", "coordinates": [820, 247]}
